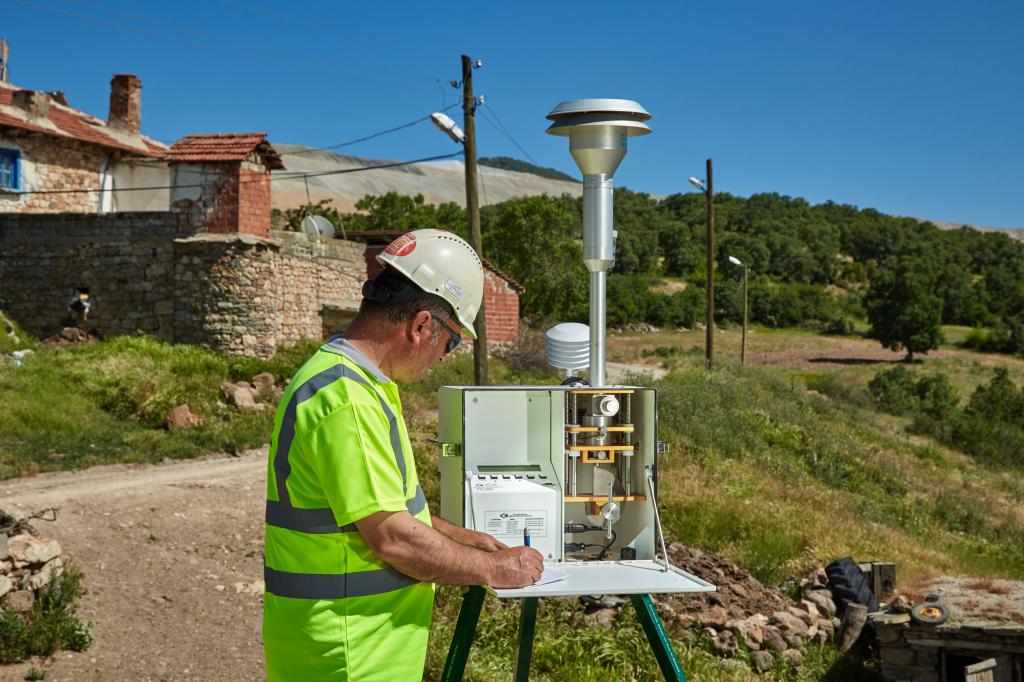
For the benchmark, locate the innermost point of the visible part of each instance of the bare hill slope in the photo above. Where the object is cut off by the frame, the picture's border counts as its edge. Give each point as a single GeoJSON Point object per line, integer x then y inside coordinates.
{"type": "Point", "coordinates": [438, 182]}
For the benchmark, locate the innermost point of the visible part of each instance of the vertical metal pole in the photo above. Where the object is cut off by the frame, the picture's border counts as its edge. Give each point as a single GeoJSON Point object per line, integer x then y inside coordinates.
{"type": "Point", "coordinates": [657, 637]}
{"type": "Point", "coordinates": [743, 347]}
{"type": "Point", "coordinates": [473, 214]}
{"type": "Point", "coordinates": [709, 344]}
{"type": "Point", "coordinates": [527, 625]}
{"type": "Point", "coordinates": [598, 281]}
{"type": "Point", "coordinates": [462, 638]}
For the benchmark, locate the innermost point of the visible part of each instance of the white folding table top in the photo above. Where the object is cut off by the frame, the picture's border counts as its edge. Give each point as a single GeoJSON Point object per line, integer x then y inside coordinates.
{"type": "Point", "coordinates": [611, 577]}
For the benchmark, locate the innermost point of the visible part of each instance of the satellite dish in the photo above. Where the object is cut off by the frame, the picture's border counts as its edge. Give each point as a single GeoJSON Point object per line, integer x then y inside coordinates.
{"type": "Point", "coordinates": [317, 226]}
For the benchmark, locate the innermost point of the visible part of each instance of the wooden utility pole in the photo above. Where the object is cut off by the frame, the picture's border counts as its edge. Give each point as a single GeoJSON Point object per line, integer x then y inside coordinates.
{"type": "Point", "coordinates": [709, 346]}
{"type": "Point", "coordinates": [743, 346]}
{"type": "Point", "coordinates": [4, 53]}
{"type": "Point", "coordinates": [473, 214]}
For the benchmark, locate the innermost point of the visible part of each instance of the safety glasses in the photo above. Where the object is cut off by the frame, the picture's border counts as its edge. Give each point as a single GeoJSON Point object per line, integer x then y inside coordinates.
{"type": "Point", "coordinates": [454, 337]}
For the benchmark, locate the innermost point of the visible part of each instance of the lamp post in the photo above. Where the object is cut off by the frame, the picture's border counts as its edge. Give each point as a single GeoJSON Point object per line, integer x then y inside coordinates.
{"type": "Point", "coordinates": [743, 345]}
{"type": "Point", "coordinates": [709, 325]}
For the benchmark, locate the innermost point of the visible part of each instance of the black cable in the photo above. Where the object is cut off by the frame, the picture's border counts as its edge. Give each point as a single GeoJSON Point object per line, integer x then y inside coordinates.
{"type": "Point", "coordinates": [500, 127]}
{"type": "Point", "coordinates": [364, 139]}
{"type": "Point", "coordinates": [290, 176]}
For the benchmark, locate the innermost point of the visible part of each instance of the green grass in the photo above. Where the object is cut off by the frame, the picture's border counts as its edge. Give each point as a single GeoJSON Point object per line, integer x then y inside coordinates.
{"type": "Point", "coordinates": [780, 469]}
{"type": "Point", "coordinates": [107, 402]}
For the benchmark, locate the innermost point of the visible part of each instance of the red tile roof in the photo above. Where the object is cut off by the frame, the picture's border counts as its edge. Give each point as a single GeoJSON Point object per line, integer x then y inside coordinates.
{"type": "Point", "coordinates": [64, 121]}
{"type": "Point", "coordinates": [225, 147]}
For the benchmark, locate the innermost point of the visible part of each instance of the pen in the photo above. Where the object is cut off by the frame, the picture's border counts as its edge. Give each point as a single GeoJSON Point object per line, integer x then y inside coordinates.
{"type": "Point", "coordinates": [526, 537]}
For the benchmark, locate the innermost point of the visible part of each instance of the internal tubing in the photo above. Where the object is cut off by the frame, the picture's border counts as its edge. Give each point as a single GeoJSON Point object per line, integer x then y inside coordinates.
{"type": "Point", "coordinates": [598, 236]}
{"type": "Point", "coordinates": [598, 279]}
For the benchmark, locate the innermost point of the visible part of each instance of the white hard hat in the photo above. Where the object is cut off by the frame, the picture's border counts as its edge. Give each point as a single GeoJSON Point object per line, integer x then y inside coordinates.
{"type": "Point", "coordinates": [440, 263]}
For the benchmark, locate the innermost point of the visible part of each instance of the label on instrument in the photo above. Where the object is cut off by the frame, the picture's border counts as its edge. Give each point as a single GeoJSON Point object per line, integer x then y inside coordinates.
{"type": "Point", "coordinates": [513, 522]}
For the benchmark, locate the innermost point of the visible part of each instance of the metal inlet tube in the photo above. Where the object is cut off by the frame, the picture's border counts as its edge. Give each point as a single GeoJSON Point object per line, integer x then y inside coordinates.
{"type": "Point", "coordinates": [598, 256]}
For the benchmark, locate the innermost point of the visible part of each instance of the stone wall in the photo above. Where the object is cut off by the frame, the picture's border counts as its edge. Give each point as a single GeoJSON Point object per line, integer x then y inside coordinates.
{"type": "Point", "coordinates": [49, 163]}
{"type": "Point", "coordinates": [124, 260]}
{"type": "Point", "coordinates": [234, 292]}
{"type": "Point", "coordinates": [317, 272]}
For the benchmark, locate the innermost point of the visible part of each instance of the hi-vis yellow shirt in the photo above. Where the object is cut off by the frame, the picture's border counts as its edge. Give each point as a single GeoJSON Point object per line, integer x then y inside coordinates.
{"type": "Point", "coordinates": [340, 452]}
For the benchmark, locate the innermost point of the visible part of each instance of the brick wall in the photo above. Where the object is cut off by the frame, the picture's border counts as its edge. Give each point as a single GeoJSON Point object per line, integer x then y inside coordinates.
{"type": "Point", "coordinates": [254, 201]}
{"type": "Point", "coordinates": [49, 163]}
{"type": "Point", "coordinates": [501, 307]}
{"type": "Point", "coordinates": [125, 260]}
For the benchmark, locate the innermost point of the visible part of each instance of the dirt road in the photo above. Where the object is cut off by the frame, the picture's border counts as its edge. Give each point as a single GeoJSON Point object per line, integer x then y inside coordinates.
{"type": "Point", "coordinates": [172, 556]}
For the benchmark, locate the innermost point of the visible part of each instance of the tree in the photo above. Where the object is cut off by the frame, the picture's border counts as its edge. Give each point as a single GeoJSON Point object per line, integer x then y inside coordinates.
{"type": "Point", "coordinates": [393, 211]}
{"type": "Point", "coordinates": [903, 308]}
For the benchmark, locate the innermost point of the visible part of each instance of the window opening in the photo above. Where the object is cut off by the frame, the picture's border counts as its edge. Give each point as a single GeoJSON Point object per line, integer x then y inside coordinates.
{"type": "Point", "coordinates": [9, 168]}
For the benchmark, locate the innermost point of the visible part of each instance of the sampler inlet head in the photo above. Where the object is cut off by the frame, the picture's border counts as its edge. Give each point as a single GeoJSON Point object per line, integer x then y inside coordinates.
{"type": "Point", "coordinates": [597, 130]}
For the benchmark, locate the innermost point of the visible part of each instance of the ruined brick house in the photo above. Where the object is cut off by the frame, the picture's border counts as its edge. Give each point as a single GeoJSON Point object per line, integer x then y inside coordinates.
{"type": "Point", "coordinates": [169, 241]}
{"type": "Point", "coordinates": [46, 145]}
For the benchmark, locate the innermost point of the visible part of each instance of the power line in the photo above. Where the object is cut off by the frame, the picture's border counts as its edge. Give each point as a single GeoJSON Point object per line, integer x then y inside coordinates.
{"type": "Point", "coordinates": [497, 124]}
{"type": "Point", "coordinates": [206, 46]}
{"type": "Point", "coordinates": [367, 137]}
{"type": "Point", "coordinates": [273, 178]}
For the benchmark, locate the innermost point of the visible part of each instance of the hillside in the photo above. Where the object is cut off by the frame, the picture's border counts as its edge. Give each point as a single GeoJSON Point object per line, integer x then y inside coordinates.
{"type": "Point", "coordinates": [438, 182]}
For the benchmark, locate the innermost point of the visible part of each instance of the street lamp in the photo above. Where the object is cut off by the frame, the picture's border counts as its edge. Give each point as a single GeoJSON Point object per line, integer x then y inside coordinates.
{"type": "Point", "coordinates": [708, 188]}
{"type": "Point", "coordinates": [743, 346]}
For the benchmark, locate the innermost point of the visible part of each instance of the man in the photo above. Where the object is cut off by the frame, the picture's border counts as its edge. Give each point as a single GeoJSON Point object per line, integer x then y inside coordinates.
{"type": "Point", "coordinates": [352, 552]}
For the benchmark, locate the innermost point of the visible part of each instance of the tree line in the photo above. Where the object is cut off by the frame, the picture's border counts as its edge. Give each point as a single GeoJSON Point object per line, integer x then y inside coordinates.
{"type": "Point", "coordinates": [823, 265]}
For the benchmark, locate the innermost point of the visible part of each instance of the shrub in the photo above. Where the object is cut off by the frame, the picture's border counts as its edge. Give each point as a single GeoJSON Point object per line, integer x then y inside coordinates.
{"type": "Point", "coordinates": [894, 391]}
{"type": "Point", "coordinates": [50, 625]}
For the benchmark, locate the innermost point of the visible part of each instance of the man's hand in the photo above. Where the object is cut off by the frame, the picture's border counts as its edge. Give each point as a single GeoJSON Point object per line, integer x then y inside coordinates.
{"type": "Point", "coordinates": [516, 567]}
{"type": "Point", "coordinates": [473, 538]}
{"type": "Point", "coordinates": [467, 536]}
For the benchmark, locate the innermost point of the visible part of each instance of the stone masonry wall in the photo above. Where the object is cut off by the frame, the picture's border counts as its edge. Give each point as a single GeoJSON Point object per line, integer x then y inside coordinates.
{"type": "Point", "coordinates": [235, 292]}
{"type": "Point", "coordinates": [49, 163]}
{"type": "Point", "coordinates": [125, 260]}
{"type": "Point", "coordinates": [228, 293]}
{"type": "Point", "coordinates": [315, 272]}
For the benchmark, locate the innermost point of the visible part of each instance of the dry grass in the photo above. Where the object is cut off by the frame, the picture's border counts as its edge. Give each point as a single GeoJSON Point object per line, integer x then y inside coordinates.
{"type": "Point", "coordinates": [989, 585]}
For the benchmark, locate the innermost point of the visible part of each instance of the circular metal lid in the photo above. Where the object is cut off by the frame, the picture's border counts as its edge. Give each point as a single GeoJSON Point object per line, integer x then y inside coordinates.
{"type": "Point", "coordinates": [627, 108]}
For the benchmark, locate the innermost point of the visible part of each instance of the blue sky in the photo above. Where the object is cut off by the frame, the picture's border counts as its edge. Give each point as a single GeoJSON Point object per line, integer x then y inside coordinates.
{"type": "Point", "coordinates": [910, 107]}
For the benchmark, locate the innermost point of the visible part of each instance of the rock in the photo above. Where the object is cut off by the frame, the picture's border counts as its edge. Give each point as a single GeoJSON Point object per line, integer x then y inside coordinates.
{"type": "Point", "coordinates": [805, 611]}
{"type": "Point", "coordinates": [5, 585]}
{"type": "Point", "coordinates": [821, 637]}
{"type": "Point", "coordinates": [822, 600]}
{"type": "Point", "coordinates": [32, 550]}
{"type": "Point", "coordinates": [255, 587]}
{"type": "Point", "coordinates": [724, 644]}
{"type": "Point", "coordinates": [793, 640]}
{"type": "Point", "coordinates": [899, 605]}
{"type": "Point", "coordinates": [762, 661]}
{"type": "Point", "coordinates": [6, 567]}
{"type": "Point", "coordinates": [20, 601]}
{"type": "Point", "coordinates": [264, 382]}
{"type": "Point", "coordinates": [42, 578]}
{"type": "Point", "coordinates": [602, 618]}
{"type": "Point", "coordinates": [773, 640]}
{"type": "Point", "coordinates": [181, 417]}
{"type": "Point", "coordinates": [747, 632]}
{"type": "Point", "coordinates": [788, 622]}
{"type": "Point", "coordinates": [240, 395]}
{"type": "Point", "coordinates": [714, 617]}
{"type": "Point", "coordinates": [4, 551]}
{"type": "Point", "coordinates": [793, 658]}
{"type": "Point", "coordinates": [739, 590]}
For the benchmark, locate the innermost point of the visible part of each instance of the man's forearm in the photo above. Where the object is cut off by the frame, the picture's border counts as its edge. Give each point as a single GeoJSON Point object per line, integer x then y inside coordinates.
{"type": "Point", "coordinates": [424, 553]}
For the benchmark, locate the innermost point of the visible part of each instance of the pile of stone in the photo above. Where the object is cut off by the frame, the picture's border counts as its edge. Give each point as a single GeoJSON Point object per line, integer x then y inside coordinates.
{"type": "Point", "coordinates": [746, 615]}
{"type": "Point", "coordinates": [27, 564]}
{"type": "Point", "coordinates": [262, 393]}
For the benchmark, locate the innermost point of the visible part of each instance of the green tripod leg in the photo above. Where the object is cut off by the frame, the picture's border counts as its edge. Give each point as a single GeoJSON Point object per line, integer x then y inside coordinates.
{"type": "Point", "coordinates": [527, 624]}
{"type": "Point", "coordinates": [657, 637]}
{"type": "Point", "coordinates": [462, 639]}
